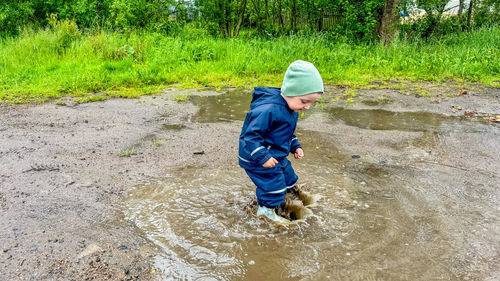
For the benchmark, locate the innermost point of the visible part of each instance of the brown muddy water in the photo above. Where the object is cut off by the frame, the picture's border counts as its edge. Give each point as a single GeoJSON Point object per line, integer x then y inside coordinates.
{"type": "Point", "coordinates": [416, 215]}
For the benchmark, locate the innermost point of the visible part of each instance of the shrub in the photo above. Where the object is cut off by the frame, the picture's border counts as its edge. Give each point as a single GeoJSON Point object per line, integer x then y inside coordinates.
{"type": "Point", "coordinates": [66, 32]}
{"type": "Point", "coordinates": [13, 15]}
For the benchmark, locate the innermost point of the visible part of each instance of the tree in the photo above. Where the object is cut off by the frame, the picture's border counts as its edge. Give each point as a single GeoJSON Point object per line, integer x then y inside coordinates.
{"type": "Point", "coordinates": [241, 13]}
{"type": "Point", "coordinates": [469, 13]}
{"type": "Point", "coordinates": [388, 22]}
{"type": "Point", "coordinates": [460, 7]}
{"type": "Point", "coordinates": [227, 14]}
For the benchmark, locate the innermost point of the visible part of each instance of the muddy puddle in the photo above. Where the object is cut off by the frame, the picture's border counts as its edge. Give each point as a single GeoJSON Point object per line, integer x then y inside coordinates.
{"type": "Point", "coordinates": [377, 119]}
{"type": "Point", "coordinates": [377, 220]}
{"type": "Point", "coordinates": [231, 106]}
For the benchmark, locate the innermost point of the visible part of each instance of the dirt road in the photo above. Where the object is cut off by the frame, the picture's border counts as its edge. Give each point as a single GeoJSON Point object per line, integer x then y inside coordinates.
{"type": "Point", "coordinates": [65, 169]}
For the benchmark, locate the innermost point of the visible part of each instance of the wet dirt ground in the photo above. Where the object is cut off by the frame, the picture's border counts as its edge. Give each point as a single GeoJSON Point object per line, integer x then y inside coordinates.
{"type": "Point", "coordinates": [150, 189]}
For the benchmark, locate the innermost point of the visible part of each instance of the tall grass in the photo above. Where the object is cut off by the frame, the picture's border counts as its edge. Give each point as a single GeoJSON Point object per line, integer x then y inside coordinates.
{"type": "Point", "coordinates": [34, 66]}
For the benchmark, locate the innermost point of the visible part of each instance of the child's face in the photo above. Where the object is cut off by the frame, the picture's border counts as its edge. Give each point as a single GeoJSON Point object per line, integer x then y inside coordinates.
{"type": "Point", "coordinates": [299, 103]}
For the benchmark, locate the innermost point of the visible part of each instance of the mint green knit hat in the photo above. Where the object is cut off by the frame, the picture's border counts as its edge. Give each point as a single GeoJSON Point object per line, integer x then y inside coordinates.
{"type": "Point", "coordinates": [301, 78]}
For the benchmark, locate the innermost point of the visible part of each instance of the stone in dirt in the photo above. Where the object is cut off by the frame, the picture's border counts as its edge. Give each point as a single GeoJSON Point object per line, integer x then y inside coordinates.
{"type": "Point", "coordinates": [495, 119]}
{"type": "Point", "coordinates": [89, 250]}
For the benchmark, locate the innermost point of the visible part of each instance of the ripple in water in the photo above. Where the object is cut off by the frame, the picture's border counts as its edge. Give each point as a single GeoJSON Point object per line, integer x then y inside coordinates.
{"type": "Point", "coordinates": [367, 226]}
{"type": "Point", "coordinates": [374, 222]}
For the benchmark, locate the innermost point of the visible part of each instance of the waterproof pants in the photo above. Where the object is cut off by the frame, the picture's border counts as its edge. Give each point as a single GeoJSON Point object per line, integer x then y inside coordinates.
{"type": "Point", "coordinates": [272, 183]}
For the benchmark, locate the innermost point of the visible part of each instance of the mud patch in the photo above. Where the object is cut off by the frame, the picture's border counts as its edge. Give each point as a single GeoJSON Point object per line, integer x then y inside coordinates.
{"type": "Point", "coordinates": [173, 126]}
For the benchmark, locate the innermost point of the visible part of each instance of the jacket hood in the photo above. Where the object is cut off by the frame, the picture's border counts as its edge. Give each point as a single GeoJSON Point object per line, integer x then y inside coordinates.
{"type": "Point", "coordinates": [266, 95]}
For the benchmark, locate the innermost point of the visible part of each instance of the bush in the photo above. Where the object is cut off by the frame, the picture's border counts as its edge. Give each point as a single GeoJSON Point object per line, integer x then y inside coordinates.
{"type": "Point", "coordinates": [431, 27]}
{"type": "Point", "coordinates": [136, 52]}
{"type": "Point", "coordinates": [487, 13]}
{"type": "Point", "coordinates": [66, 32]}
{"type": "Point", "coordinates": [193, 31]}
{"type": "Point", "coordinates": [359, 20]}
{"type": "Point", "coordinates": [13, 16]}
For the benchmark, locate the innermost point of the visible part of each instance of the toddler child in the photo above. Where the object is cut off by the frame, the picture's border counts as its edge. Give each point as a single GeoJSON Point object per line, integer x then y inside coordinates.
{"type": "Point", "coordinates": [267, 136]}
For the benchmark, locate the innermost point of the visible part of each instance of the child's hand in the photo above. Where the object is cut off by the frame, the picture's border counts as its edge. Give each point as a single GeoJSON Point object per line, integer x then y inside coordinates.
{"type": "Point", "coordinates": [299, 153]}
{"type": "Point", "coordinates": [270, 163]}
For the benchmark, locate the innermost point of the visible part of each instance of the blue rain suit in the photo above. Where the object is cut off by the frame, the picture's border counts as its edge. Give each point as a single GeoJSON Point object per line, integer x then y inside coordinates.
{"type": "Point", "coordinates": [268, 131]}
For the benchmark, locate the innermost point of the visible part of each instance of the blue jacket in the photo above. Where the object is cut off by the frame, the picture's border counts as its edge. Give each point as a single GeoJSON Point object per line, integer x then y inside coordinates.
{"type": "Point", "coordinates": [268, 130]}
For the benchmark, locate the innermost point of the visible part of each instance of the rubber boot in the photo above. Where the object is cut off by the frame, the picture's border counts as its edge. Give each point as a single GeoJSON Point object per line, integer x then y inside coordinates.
{"type": "Point", "coordinates": [270, 214]}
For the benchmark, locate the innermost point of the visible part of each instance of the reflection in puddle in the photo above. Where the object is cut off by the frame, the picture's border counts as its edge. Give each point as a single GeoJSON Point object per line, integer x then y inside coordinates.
{"type": "Point", "coordinates": [378, 119]}
{"type": "Point", "coordinates": [231, 106]}
{"type": "Point", "coordinates": [235, 104]}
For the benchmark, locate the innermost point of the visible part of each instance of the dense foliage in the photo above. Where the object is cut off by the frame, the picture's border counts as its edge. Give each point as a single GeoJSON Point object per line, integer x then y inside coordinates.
{"type": "Point", "coordinates": [357, 20]}
{"type": "Point", "coordinates": [38, 65]}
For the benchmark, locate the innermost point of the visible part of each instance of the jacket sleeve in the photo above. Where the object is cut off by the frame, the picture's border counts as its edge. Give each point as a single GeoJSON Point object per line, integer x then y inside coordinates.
{"type": "Point", "coordinates": [295, 144]}
{"type": "Point", "coordinates": [259, 123]}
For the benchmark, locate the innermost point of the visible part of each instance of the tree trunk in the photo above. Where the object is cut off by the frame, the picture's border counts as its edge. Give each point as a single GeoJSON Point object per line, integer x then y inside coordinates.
{"type": "Point", "coordinates": [469, 13]}
{"type": "Point", "coordinates": [222, 22]}
{"type": "Point", "coordinates": [460, 7]}
{"type": "Point", "coordinates": [228, 19]}
{"type": "Point", "coordinates": [441, 9]}
{"type": "Point", "coordinates": [320, 22]}
{"type": "Point", "coordinates": [241, 13]}
{"type": "Point", "coordinates": [390, 17]}
{"type": "Point", "coordinates": [256, 8]}
{"type": "Point", "coordinates": [267, 11]}
{"type": "Point", "coordinates": [280, 14]}
{"type": "Point", "coordinates": [274, 15]}
{"type": "Point", "coordinates": [319, 19]}
{"type": "Point", "coordinates": [310, 16]}
{"type": "Point", "coordinates": [293, 16]}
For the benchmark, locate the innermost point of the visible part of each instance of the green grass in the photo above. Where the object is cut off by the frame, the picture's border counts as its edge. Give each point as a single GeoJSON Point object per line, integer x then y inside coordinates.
{"type": "Point", "coordinates": [34, 67]}
{"type": "Point", "coordinates": [181, 98]}
{"type": "Point", "coordinates": [127, 152]}
{"type": "Point", "coordinates": [157, 143]}
{"type": "Point", "coordinates": [90, 99]}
